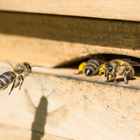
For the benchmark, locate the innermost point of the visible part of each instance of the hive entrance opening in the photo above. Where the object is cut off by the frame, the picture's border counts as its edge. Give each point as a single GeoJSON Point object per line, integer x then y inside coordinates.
{"type": "Point", "coordinates": [75, 62]}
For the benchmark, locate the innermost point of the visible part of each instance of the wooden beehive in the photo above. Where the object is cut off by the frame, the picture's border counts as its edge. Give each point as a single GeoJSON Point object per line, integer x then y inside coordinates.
{"type": "Point", "coordinates": [54, 103]}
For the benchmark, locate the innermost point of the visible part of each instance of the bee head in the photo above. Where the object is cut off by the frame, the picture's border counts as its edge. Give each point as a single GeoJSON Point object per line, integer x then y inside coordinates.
{"type": "Point", "coordinates": [107, 69]}
{"type": "Point", "coordinates": [28, 67]}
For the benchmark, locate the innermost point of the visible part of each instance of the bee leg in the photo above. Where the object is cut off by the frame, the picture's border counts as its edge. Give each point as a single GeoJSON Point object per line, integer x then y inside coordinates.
{"type": "Point", "coordinates": [125, 78]}
{"type": "Point", "coordinates": [15, 84]}
{"type": "Point", "coordinates": [115, 81]}
{"type": "Point", "coordinates": [5, 88]}
{"type": "Point", "coordinates": [107, 78]}
{"type": "Point", "coordinates": [12, 88]}
{"type": "Point", "coordinates": [79, 72]}
{"type": "Point", "coordinates": [22, 80]}
{"type": "Point", "coordinates": [114, 77]}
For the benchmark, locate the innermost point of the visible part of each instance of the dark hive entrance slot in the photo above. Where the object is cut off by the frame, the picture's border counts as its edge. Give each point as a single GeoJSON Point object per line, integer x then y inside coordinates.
{"type": "Point", "coordinates": [74, 63]}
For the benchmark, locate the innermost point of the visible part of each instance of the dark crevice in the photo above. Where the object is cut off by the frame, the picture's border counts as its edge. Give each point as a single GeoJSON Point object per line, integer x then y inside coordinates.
{"type": "Point", "coordinates": [75, 63]}
{"type": "Point", "coordinates": [92, 31]}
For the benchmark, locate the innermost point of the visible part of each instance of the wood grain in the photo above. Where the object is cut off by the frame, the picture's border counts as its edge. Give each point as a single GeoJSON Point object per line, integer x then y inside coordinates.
{"type": "Point", "coordinates": [51, 40]}
{"type": "Point", "coordinates": [8, 132]}
{"type": "Point", "coordinates": [71, 108]}
{"type": "Point", "coordinates": [114, 9]}
{"type": "Point", "coordinates": [55, 104]}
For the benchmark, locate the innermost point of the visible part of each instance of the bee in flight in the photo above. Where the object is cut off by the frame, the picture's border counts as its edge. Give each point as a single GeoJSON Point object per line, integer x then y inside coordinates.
{"type": "Point", "coordinates": [119, 67]}
{"type": "Point", "coordinates": [20, 71]}
{"type": "Point", "coordinates": [91, 67]}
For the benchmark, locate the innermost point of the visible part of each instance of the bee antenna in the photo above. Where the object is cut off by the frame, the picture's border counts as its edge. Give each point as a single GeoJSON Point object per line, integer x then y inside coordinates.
{"type": "Point", "coordinates": [9, 63]}
{"type": "Point", "coordinates": [36, 66]}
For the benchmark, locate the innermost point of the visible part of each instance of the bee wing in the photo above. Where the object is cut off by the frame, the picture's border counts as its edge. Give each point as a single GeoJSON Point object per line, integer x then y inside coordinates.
{"type": "Point", "coordinates": [57, 116]}
{"type": "Point", "coordinates": [37, 78]}
{"type": "Point", "coordinates": [132, 63]}
{"type": "Point", "coordinates": [31, 106]}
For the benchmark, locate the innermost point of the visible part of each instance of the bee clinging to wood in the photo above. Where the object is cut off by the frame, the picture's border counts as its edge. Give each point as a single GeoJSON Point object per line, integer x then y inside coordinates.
{"type": "Point", "coordinates": [20, 71]}
{"type": "Point", "coordinates": [118, 67]}
{"type": "Point", "coordinates": [91, 67]}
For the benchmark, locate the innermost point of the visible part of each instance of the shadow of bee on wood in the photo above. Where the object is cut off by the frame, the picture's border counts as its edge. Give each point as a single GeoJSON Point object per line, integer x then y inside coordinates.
{"type": "Point", "coordinates": [43, 117]}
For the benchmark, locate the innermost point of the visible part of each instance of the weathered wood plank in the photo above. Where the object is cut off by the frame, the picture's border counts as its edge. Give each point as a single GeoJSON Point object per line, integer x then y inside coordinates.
{"type": "Point", "coordinates": [74, 108]}
{"type": "Point", "coordinates": [50, 40]}
{"type": "Point", "coordinates": [8, 132]}
{"type": "Point", "coordinates": [116, 9]}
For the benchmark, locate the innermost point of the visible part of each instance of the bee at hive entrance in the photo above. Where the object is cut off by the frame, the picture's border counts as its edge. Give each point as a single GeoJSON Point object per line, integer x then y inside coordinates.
{"type": "Point", "coordinates": [91, 67]}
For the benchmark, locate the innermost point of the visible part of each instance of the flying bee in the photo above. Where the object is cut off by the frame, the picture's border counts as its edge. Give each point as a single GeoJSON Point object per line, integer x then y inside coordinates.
{"type": "Point", "coordinates": [119, 67]}
{"type": "Point", "coordinates": [20, 71]}
{"type": "Point", "coordinates": [91, 67]}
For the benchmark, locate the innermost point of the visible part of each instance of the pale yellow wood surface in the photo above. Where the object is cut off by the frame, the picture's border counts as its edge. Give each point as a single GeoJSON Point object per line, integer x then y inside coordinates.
{"type": "Point", "coordinates": [71, 107]}
{"type": "Point", "coordinates": [114, 9]}
{"type": "Point", "coordinates": [56, 104]}
{"type": "Point", "coordinates": [50, 53]}
{"type": "Point", "coordinates": [8, 132]}
{"type": "Point", "coordinates": [51, 40]}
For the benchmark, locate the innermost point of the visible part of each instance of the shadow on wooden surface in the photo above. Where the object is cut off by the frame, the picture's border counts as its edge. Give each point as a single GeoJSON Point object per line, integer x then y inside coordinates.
{"type": "Point", "coordinates": [40, 119]}
{"type": "Point", "coordinates": [112, 33]}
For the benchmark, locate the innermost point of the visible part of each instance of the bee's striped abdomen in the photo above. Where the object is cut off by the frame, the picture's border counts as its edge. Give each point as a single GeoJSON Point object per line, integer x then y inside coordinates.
{"type": "Point", "coordinates": [6, 79]}
{"type": "Point", "coordinates": [92, 67]}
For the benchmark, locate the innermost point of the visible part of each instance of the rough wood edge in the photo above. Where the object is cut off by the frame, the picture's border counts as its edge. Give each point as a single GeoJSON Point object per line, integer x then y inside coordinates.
{"type": "Point", "coordinates": [122, 10]}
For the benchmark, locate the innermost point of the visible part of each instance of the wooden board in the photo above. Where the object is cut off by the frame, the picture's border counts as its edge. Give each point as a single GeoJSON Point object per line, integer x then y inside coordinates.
{"type": "Point", "coordinates": [8, 132]}
{"type": "Point", "coordinates": [55, 104]}
{"type": "Point", "coordinates": [51, 40]}
{"type": "Point", "coordinates": [64, 106]}
{"type": "Point", "coordinates": [114, 9]}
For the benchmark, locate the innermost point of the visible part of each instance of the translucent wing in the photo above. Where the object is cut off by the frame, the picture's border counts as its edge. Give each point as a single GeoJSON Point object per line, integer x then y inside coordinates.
{"type": "Point", "coordinates": [133, 63]}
